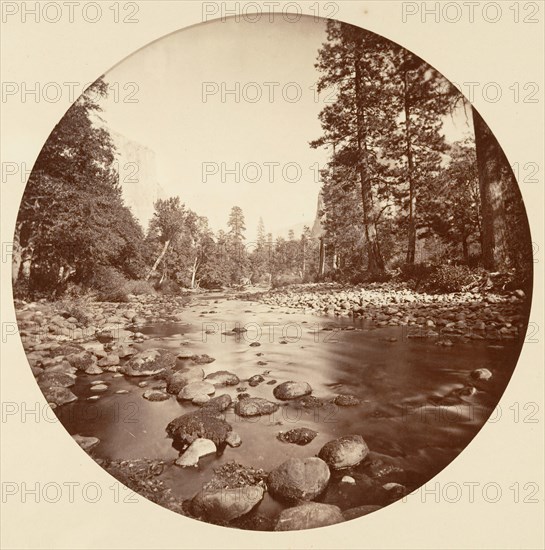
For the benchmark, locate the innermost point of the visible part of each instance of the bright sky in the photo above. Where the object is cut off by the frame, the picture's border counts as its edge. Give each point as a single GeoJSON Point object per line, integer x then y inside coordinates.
{"type": "Point", "coordinates": [199, 141]}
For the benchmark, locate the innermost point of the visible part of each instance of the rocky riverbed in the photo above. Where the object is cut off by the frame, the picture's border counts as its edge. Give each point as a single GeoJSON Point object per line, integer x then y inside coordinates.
{"type": "Point", "coordinates": [474, 315]}
{"type": "Point", "coordinates": [283, 410]}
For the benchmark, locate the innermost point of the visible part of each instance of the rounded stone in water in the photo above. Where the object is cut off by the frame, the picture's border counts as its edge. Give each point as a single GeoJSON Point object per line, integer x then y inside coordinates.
{"type": "Point", "coordinates": [292, 390]}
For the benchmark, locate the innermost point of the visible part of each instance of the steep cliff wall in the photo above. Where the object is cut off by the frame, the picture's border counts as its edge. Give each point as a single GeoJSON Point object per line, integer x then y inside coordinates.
{"type": "Point", "coordinates": [317, 227]}
{"type": "Point", "coordinates": [138, 176]}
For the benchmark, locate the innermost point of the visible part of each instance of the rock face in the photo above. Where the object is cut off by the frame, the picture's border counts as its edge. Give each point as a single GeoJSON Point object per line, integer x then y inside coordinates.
{"type": "Point", "coordinates": [222, 378]}
{"type": "Point", "coordinates": [292, 390]}
{"type": "Point", "coordinates": [149, 363]}
{"type": "Point", "coordinates": [202, 423]}
{"type": "Point", "coordinates": [196, 389]}
{"type": "Point", "coordinates": [86, 443]}
{"type": "Point", "coordinates": [179, 379]}
{"type": "Point", "coordinates": [299, 436]}
{"type": "Point", "coordinates": [254, 406]}
{"type": "Point", "coordinates": [308, 516]}
{"type": "Point", "coordinates": [299, 479]}
{"type": "Point", "coordinates": [199, 448]}
{"type": "Point", "coordinates": [226, 504]}
{"type": "Point", "coordinates": [344, 452]}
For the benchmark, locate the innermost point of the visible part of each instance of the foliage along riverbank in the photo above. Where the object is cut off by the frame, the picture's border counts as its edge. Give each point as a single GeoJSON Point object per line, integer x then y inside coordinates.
{"type": "Point", "coordinates": [396, 195]}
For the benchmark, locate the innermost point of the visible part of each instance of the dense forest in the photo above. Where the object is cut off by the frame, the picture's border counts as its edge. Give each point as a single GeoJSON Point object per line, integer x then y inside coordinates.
{"type": "Point", "coordinates": [397, 201]}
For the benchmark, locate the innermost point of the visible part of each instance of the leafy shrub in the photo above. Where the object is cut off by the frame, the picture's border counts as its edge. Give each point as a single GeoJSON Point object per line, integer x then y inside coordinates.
{"type": "Point", "coordinates": [110, 285]}
{"type": "Point", "coordinates": [285, 279]}
{"type": "Point", "coordinates": [168, 287]}
{"type": "Point", "coordinates": [449, 278]}
{"type": "Point", "coordinates": [377, 277]}
{"type": "Point", "coordinates": [414, 274]}
{"type": "Point", "coordinates": [140, 287]}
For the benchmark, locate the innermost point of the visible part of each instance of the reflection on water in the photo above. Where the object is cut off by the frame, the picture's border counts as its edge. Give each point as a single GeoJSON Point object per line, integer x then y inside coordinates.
{"type": "Point", "coordinates": [402, 384]}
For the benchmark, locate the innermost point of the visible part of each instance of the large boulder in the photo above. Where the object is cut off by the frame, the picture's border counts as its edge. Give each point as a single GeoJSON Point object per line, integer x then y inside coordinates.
{"type": "Point", "coordinates": [223, 378]}
{"type": "Point", "coordinates": [155, 395]}
{"type": "Point", "coordinates": [255, 380]}
{"type": "Point", "coordinates": [233, 439]}
{"type": "Point", "coordinates": [299, 436]}
{"type": "Point", "coordinates": [219, 403]}
{"type": "Point", "coordinates": [292, 390]}
{"type": "Point", "coordinates": [299, 479]}
{"type": "Point", "coordinates": [346, 400]}
{"type": "Point", "coordinates": [149, 363]}
{"type": "Point", "coordinates": [112, 359]}
{"type": "Point", "coordinates": [94, 370]}
{"type": "Point", "coordinates": [203, 359]}
{"type": "Point", "coordinates": [124, 350]}
{"type": "Point", "coordinates": [196, 389]}
{"type": "Point", "coordinates": [223, 505]}
{"type": "Point", "coordinates": [96, 348]}
{"type": "Point", "coordinates": [358, 490]}
{"type": "Point", "coordinates": [86, 443]}
{"type": "Point", "coordinates": [199, 448]}
{"type": "Point", "coordinates": [179, 379]}
{"type": "Point", "coordinates": [58, 395]}
{"type": "Point", "coordinates": [344, 452]}
{"type": "Point", "coordinates": [66, 350]}
{"type": "Point", "coordinates": [360, 511]}
{"type": "Point", "coordinates": [53, 379]}
{"type": "Point", "coordinates": [64, 366]}
{"type": "Point", "coordinates": [255, 406]}
{"type": "Point", "coordinates": [203, 423]}
{"type": "Point", "coordinates": [481, 374]}
{"type": "Point", "coordinates": [82, 360]}
{"type": "Point", "coordinates": [308, 516]}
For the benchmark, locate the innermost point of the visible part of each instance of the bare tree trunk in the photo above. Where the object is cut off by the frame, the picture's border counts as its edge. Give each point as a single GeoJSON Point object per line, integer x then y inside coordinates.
{"type": "Point", "coordinates": [465, 248]}
{"type": "Point", "coordinates": [26, 265]}
{"type": "Point", "coordinates": [411, 231]}
{"type": "Point", "coordinates": [304, 266]}
{"type": "Point", "coordinates": [321, 266]}
{"type": "Point", "coordinates": [158, 261]}
{"type": "Point", "coordinates": [194, 273]}
{"type": "Point", "coordinates": [491, 163]}
{"type": "Point", "coordinates": [374, 256]}
{"type": "Point", "coordinates": [17, 259]}
{"type": "Point", "coordinates": [164, 275]}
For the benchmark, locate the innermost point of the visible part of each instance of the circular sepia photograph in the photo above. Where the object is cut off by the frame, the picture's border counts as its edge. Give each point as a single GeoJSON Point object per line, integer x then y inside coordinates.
{"type": "Point", "coordinates": [272, 275]}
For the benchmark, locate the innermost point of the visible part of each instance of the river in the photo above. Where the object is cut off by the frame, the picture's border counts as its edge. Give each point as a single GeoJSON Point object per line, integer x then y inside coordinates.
{"type": "Point", "coordinates": [405, 386]}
